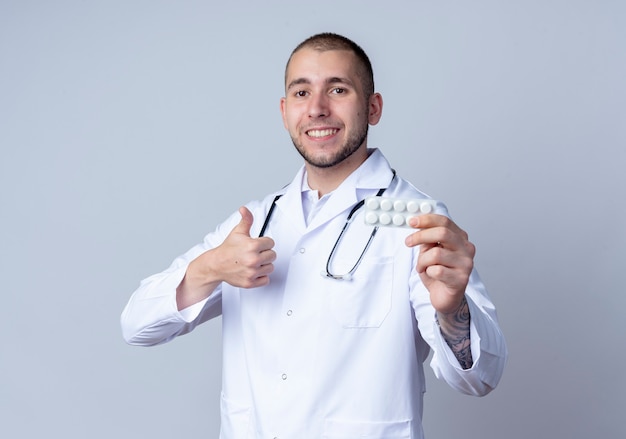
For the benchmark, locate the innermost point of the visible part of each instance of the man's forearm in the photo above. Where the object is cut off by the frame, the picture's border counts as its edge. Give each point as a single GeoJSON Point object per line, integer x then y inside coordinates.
{"type": "Point", "coordinates": [197, 285]}
{"type": "Point", "coordinates": [455, 328]}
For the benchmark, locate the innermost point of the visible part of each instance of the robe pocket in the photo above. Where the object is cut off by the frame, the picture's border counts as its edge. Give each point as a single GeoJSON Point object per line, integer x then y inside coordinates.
{"type": "Point", "coordinates": [235, 419]}
{"type": "Point", "coordinates": [365, 300]}
{"type": "Point", "coordinates": [340, 429]}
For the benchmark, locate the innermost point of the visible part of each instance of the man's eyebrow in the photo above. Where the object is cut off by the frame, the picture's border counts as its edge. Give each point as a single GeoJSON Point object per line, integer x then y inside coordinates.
{"type": "Point", "coordinates": [298, 81]}
{"type": "Point", "coordinates": [331, 80]}
{"type": "Point", "coordinates": [339, 80]}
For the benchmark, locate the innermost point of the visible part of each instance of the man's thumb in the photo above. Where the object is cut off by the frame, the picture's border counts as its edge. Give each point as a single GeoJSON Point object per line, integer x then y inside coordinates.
{"type": "Point", "coordinates": [246, 221]}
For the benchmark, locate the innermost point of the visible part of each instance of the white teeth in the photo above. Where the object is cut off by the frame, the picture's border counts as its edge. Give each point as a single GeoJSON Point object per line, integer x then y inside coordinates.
{"type": "Point", "coordinates": [321, 133]}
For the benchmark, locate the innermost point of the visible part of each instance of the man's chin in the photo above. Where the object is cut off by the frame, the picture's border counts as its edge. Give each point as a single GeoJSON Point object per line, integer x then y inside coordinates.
{"type": "Point", "coordinates": [323, 161]}
{"type": "Point", "coordinates": [330, 155]}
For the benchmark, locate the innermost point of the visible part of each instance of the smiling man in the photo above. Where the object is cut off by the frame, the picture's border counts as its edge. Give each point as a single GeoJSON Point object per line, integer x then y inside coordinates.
{"type": "Point", "coordinates": [327, 321]}
{"type": "Point", "coordinates": [327, 110]}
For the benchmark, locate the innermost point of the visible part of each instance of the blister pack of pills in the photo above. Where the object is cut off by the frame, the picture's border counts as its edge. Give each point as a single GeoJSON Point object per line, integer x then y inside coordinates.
{"type": "Point", "coordinates": [395, 212]}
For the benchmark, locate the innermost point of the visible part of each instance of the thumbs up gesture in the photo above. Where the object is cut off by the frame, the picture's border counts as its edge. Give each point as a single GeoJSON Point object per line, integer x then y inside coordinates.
{"type": "Point", "coordinates": [241, 261]}
{"type": "Point", "coordinates": [246, 261]}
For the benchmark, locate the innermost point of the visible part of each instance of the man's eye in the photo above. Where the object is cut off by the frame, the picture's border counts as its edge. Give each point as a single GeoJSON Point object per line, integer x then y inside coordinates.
{"type": "Point", "coordinates": [300, 93]}
{"type": "Point", "coordinates": [338, 90]}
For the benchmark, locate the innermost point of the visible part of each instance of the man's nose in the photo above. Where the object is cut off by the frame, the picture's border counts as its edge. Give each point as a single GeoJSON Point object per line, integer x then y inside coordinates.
{"type": "Point", "coordinates": [318, 106]}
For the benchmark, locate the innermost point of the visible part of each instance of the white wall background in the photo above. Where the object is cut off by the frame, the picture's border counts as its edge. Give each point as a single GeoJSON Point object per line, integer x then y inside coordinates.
{"type": "Point", "coordinates": [128, 129]}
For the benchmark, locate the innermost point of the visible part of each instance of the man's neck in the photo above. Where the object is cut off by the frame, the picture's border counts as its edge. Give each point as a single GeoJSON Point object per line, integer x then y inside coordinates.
{"type": "Point", "coordinates": [326, 180]}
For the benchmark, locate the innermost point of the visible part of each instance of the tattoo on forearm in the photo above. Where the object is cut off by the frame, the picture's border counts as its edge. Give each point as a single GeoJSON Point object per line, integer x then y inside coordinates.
{"type": "Point", "coordinates": [455, 328]}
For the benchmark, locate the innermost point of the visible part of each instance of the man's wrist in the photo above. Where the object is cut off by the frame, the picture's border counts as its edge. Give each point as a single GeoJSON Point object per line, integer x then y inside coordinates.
{"type": "Point", "coordinates": [455, 329]}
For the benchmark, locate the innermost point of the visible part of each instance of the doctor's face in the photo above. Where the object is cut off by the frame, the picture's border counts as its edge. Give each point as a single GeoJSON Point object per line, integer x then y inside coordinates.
{"type": "Point", "coordinates": [325, 108]}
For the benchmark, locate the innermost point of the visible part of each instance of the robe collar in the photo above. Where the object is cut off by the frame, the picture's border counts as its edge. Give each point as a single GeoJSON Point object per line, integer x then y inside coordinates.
{"type": "Point", "coordinates": [373, 174]}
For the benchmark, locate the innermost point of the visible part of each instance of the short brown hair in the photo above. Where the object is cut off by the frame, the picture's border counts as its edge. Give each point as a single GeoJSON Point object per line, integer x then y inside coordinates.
{"type": "Point", "coordinates": [330, 41]}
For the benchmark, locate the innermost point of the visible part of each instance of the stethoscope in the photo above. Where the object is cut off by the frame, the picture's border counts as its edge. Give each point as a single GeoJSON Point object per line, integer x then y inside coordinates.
{"type": "Point", "coordinates": [326, 272]}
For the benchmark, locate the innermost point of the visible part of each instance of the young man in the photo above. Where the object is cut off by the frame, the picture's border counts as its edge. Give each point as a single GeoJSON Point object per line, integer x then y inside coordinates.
{"type": "Point", "coordinates": [327, 321]}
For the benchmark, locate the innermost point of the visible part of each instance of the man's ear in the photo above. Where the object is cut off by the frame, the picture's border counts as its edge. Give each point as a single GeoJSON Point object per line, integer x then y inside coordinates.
{"type": "Point", "coordinates": [375, 108]}
{"type": "Point", "coordinates": [282, 111]}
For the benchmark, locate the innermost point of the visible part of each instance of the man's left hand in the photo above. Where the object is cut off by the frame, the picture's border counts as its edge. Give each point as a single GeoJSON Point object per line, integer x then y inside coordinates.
{"type": "Point", "coordinates": [445, 261]}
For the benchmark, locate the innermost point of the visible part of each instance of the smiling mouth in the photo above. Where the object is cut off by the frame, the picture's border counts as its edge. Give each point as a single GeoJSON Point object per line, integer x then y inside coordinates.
{"type": "Point", "coordinates": [322, 133]}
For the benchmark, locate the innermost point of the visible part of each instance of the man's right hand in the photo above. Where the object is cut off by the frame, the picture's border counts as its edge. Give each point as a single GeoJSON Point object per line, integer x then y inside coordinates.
{"type": "Point", "coordinates": [241, 261]}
